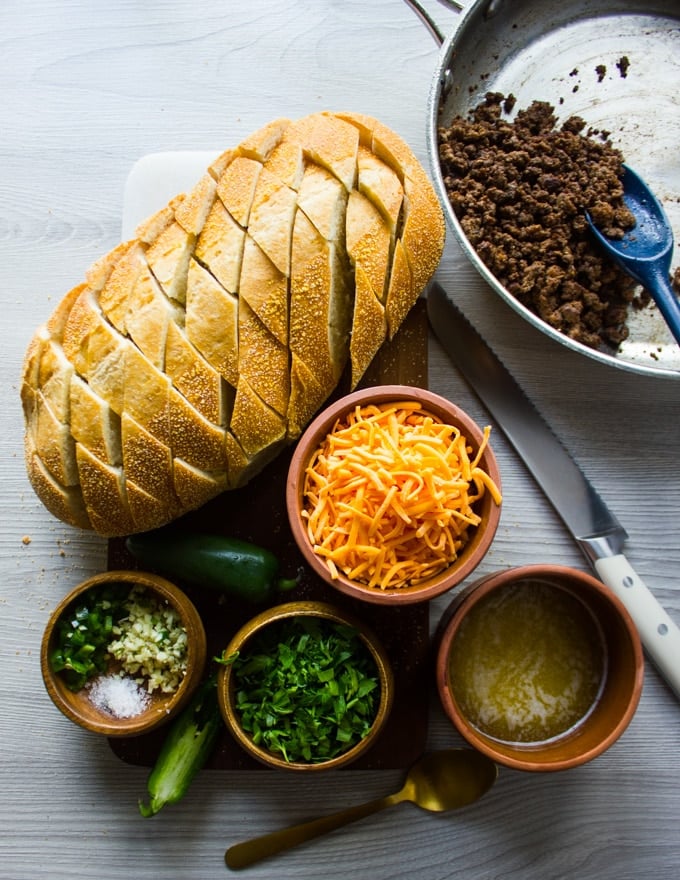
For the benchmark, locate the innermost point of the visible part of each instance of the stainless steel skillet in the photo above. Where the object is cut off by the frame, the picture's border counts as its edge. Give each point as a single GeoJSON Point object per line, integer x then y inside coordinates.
{"type": "Point", "coordinates": [616, 63]}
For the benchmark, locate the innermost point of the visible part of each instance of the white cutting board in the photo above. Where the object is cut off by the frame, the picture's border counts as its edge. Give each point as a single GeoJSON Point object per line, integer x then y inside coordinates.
{"type": "Point", "coordinates": [155, 179]}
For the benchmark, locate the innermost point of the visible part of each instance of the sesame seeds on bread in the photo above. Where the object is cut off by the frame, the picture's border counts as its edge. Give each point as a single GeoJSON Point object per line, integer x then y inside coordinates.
{"type": "Point", "coordinates": [192, 354]}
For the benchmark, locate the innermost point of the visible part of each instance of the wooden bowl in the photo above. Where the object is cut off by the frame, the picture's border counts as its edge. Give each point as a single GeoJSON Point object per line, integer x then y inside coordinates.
{"type": "Point", "coordinates": [272, 617]}
{"type": "Point", "coordinates": [480, 537]}
{"type": "Point", "coordinates": [600, 611]}
{"type": "Point", "coordinates": [79, 708]}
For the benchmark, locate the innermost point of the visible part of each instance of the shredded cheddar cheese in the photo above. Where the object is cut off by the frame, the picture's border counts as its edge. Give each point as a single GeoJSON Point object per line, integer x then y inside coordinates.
{"type": "Point", "coordinates": [389, 496]}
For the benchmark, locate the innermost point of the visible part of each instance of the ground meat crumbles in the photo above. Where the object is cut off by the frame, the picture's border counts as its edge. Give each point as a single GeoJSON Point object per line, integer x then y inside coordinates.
{"type": "Point", "coordinates": [520, 190]}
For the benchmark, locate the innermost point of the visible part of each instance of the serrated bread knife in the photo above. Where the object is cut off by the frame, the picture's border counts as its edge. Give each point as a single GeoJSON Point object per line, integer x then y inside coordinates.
{"type": "Point", "coordinates": [596, 530]}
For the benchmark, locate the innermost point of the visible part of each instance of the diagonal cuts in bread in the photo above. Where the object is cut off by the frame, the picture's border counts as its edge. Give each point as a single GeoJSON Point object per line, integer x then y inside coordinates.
{"type": "Point", "coordinates": [193, 353]}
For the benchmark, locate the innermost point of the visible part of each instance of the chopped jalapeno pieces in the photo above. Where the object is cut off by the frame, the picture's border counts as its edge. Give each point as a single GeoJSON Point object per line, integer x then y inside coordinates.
{"type": "Point", "coordinates": [84, 635]}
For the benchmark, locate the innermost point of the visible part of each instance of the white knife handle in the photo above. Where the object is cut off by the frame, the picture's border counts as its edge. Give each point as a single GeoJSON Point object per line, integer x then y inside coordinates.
{"type": "Point", "coordinates": [659, 634]}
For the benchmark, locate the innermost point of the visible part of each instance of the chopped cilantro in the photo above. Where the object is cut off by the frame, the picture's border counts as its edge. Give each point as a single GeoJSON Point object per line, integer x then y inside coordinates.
{"type": "Point", "coordinates": [307, 689]}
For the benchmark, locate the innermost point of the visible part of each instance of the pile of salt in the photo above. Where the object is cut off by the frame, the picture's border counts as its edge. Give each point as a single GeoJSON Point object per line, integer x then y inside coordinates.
{"type": "Point", "coordinates": [119, 696]}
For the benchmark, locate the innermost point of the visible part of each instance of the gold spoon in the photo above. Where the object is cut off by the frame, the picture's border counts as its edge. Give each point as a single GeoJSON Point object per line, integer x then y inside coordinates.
{"type": "Point", "coordinates": [439, 781]}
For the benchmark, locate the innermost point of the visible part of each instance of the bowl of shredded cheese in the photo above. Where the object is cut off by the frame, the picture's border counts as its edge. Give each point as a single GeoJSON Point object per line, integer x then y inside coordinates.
{"type": "Point", "coordinates": [393, 494]}
{"type": "Point", "coordinates": [123, 652]}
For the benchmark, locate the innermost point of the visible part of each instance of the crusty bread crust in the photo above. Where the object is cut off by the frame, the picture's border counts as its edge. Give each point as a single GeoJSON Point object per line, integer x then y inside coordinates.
{"type": "Point", "coordinates": [193, 353]}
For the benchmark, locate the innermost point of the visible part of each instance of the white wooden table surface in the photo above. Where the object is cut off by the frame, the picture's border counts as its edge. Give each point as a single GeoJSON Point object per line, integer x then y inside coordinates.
{"type": "Point", "coordinates": [86, 88]}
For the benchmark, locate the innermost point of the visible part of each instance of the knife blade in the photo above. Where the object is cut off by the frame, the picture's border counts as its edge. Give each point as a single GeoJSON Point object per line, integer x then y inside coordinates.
{"type": "Point", "coordinates": [593, 526]}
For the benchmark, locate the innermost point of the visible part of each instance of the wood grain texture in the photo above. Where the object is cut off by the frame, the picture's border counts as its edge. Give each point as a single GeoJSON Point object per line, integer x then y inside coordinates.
{"type": "Point", "coordinates": [88, 88]}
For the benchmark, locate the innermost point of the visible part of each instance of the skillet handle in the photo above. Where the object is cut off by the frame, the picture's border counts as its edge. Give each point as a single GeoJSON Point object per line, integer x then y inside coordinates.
{"type": "Point", "coordinates": [427, 19]}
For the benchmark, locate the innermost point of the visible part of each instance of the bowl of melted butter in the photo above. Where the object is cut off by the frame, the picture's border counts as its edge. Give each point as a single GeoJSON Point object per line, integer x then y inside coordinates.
{"type": "Point", "coordinates": [540, 667]}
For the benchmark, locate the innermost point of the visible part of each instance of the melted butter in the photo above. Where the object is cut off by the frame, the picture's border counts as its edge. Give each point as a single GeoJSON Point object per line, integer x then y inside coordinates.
{"type": "Point", "coordinates": [527, 663]}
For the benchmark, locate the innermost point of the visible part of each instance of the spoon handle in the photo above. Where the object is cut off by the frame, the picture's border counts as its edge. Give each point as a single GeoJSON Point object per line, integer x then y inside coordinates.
{"type": "Point", "coordinates": [250, 851]}
{"type": "Point", "coordinates": [665, 298]}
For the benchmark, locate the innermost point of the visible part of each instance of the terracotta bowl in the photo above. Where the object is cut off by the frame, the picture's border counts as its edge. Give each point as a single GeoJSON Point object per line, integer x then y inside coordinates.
{"type": "Point", "coordinates": [273, 617]}
{"type": "Point", "coordinates": [79, 707]}
{"type": "Point", "coordinates": [480, 537]}
{"type": "Point", "coordinates": [601, 614]}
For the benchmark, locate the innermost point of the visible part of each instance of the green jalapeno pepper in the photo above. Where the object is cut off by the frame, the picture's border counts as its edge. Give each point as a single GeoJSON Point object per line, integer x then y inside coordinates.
{"type": "Point", "coordinates": [229, 565]}
{"type": "Point", "coordinates": [185, 750]}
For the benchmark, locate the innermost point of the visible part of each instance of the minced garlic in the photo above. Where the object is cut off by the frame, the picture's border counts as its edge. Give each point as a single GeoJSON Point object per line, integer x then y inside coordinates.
{"type": "Point", "coordinates": [150, 643]}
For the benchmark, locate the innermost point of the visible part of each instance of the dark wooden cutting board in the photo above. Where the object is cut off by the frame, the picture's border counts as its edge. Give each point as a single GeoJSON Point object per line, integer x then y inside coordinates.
{"type": "Point", "coordinates": [257, 513]}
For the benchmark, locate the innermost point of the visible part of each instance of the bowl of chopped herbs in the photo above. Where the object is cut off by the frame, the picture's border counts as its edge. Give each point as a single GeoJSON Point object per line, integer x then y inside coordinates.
{"type": "Point", "coordinates": [123, 652]}
{"type": "Point", "coordinates": [305, 686]}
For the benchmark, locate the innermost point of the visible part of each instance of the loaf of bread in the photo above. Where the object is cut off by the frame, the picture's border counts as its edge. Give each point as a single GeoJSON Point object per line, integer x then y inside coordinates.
{"type": "Point", "coordinates": [193, 353]}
